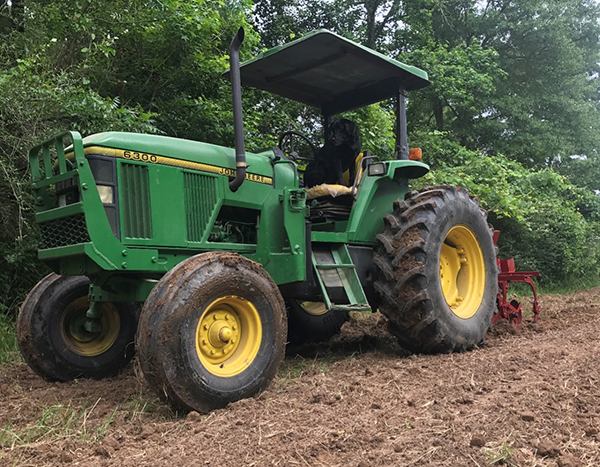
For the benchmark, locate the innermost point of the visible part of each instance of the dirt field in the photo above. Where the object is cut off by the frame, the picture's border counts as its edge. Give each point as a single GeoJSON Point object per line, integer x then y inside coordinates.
{"type": "Point", "coordinates": [531, 397]}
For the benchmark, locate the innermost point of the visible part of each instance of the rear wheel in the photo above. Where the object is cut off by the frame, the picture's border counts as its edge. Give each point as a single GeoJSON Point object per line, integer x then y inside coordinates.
{"type": "Point", "coordinates": [437, 271]}
{"type": "Point", "coordinates": [212, 331]}
{"type": "Point", "coordinates": [52, 337]}
{"type": "Point", "coordinates": [312, 321]}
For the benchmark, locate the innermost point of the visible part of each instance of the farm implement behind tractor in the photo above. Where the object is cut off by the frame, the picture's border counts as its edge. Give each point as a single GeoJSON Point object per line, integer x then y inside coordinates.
{"type": "Point", "coordinates": [511, 310]}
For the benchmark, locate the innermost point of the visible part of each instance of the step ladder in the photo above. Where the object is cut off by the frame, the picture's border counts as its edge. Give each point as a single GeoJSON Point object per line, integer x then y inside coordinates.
{"type": "Point", "coordinates": [334, 268]}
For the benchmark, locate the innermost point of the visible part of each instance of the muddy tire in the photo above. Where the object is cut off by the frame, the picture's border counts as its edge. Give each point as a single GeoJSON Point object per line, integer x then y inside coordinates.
{"type": "Point", "coordinates": [437, 273]}
{"type": "Point", "coordinates": [54, 343]}
{"type": "Point", "coordinates": [211, 332]}
{"type": "Point", "coordinates": [312, 322]}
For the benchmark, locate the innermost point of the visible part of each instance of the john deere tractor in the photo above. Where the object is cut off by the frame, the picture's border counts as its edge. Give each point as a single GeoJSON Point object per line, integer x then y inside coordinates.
{"type": "Point", "coordinates": [200, 257]}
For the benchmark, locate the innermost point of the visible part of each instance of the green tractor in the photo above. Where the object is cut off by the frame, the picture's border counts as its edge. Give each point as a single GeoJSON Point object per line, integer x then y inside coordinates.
{"type": "Point", "coordinates": [207, 260]}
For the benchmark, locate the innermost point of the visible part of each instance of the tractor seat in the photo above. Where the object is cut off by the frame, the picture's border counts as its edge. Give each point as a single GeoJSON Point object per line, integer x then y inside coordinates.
{"type": "Point", "coordinates": [333, 202]}
{"type": "Point", "coordinates": [335, 190]}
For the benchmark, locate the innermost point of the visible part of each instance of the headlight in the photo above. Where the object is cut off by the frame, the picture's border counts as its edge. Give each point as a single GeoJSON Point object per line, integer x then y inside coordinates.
{"type": "Point", "coordinates": [106, 194]}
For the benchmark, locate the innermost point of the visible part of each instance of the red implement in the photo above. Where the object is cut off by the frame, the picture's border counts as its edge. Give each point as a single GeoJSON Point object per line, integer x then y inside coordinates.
{"type": "Point", "coordinates": [511, 310]}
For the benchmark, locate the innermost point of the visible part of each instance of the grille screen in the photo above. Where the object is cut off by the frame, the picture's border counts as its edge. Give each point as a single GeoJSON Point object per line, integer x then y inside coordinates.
{"type": "Point", "coordinates": [200, 203]}
{"type": "Point", "coordinates": [62, 232]}
{"type": "Point", "coordinates": [135, 201]}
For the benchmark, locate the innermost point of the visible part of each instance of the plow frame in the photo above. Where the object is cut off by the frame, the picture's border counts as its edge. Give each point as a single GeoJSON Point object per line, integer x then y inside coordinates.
{"type": "Point", "coordinates": [510, 310]}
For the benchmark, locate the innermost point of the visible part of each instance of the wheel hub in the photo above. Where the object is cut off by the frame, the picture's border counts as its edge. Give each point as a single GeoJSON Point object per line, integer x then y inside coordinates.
{"type": "Point", "coordinates": [82, 341]}
{"type": "Point", "coordinates": [462, 271]}
{"type": "Point", "coordinates": [228, 335]}
{"type": "Point", "coordinates": [218, 338]}
{"type": "Point", "coordinates": [78, 330]}
{"type": "Point", "coordinates": [313, 308]}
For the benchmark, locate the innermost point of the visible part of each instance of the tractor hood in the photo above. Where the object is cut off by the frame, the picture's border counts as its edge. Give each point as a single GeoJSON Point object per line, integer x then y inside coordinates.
{"type": "Point", "coordinates": [330, 72]}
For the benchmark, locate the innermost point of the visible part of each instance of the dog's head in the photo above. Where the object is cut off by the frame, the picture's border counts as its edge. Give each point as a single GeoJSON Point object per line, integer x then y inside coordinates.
{"type": "Point", "coordinates": [343, 131]}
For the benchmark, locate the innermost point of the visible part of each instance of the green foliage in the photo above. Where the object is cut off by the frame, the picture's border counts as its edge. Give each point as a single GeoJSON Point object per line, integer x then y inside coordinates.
{"type": "Point", "coordinates": [376, 129]}
{"type": "Point", "coordinates": [34, 105]}
{"type": "Point", "coordinates": [463, 79]}
{"type": "Point", "coordinates": [582, 171]}
{"type": "Point", "coordinates": [8, 340]}
{"type": "Point", "coordinates": [547, 109]}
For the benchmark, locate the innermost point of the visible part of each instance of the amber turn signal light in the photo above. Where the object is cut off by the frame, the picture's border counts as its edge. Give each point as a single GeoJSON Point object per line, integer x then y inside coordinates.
{"type": "Point", "coordinates": [415, 154]}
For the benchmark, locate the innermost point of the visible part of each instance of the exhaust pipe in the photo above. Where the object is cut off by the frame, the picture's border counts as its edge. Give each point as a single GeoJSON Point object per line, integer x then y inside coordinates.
{"type": "Point", "coordinates": [238, 123]}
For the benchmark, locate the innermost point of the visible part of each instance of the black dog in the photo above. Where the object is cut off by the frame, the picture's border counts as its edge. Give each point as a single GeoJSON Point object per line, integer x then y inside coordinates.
{"type": "Point", "coordinates": [337, 156]}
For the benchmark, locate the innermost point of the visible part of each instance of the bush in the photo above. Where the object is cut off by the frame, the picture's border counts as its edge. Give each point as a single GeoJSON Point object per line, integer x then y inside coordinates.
{"type": "Point", "coordinates": [34, 107]}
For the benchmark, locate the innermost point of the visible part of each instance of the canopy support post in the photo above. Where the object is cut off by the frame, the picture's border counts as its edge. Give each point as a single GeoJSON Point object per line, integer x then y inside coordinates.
{"type": "Point", "coordinates": [401, 151]}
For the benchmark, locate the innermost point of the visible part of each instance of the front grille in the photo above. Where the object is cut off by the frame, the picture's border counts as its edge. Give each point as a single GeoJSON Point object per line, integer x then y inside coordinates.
{"type": "Point", "coordinates": [135, 201]}
{"type": "Point", "coordinates": [200, 193]}
{"type": "Point", "coordinates": [64, 231]}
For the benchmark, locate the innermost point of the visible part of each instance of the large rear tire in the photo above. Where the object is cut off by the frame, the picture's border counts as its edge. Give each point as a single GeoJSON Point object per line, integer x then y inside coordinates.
{"type": "Point", "coordinates": [437, 271]}
{"type": "Point", "coordinates": [53, 340]}
{"type": "Point", "coordinates": [212, 331]}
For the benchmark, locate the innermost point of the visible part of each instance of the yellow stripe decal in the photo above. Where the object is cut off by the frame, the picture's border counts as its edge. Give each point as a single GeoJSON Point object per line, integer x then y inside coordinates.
{"type": "Point", "coordinates": [153, 159]}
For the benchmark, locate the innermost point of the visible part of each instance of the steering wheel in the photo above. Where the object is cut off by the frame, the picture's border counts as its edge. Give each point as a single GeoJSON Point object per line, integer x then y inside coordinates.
{"type": "Point", "coordinates": [293, 155]}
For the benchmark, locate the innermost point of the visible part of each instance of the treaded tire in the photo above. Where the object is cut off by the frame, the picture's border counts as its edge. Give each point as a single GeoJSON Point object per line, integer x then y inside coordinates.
{"type": "Point", "coordinates": [195, 366]}
{"type": "Point", "coordinates": [50, 348]}
{"type": "Point", "coordinates": [306, 326]}
{"type": "Point", "coordinates": [409, 271]}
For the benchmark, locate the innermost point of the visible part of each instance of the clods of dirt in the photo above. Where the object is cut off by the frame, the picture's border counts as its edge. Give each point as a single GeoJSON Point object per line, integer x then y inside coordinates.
{"type": "Point", "coordinates": [529, 397]}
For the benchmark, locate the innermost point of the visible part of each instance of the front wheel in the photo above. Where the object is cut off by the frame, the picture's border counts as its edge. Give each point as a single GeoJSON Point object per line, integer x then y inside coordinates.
{"type": "Point", "coordinates": [52, 337]}
{"type": "Point", "coordinates": [212, 331]}
{"type": "Point", "coordinates": [437, 276]}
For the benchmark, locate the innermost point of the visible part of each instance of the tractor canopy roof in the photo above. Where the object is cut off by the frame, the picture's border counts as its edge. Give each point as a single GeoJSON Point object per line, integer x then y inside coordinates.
{"type": "Point", "coordinates": [330, 72]}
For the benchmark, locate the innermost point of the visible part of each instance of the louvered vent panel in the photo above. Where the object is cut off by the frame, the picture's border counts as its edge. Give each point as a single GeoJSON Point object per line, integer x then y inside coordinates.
{"type": "Point", "coordinates": [200, 203]}
{"type": "Point", "coordinates": [135, 201]}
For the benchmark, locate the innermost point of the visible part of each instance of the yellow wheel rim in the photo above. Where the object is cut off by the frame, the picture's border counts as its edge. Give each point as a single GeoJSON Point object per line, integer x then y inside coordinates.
{"type": "Point", "coordinates": [313, 308]}
{"type": "Point", "coordinates": [228, 336]}
{"type": "Point", "coordinates": [462, 271]}
{"type": "Point", "coordinates": [82, 342]}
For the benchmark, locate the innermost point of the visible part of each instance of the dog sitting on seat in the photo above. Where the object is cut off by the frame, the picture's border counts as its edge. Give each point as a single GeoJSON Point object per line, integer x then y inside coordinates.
{"type": "Point", "coordinates": [338, 155]}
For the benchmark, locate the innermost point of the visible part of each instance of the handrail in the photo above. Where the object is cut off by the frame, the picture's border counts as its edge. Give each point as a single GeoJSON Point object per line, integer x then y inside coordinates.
{"type": "Point", "coordinates": [45, 148]}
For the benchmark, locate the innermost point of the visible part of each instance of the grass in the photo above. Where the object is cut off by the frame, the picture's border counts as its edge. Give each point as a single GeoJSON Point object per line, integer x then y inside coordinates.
{"type": "Point", "coordinates": [292, 369]}
{"type": "Point", "coordinates": [138, 406]}
{"type": "Point", "coordinates": [56, 422]}
{"type": "Point", "coordinates": [503, 455]}
{"type": "Point", "coordinates": [9, 351]}
{"type": "Point", "coordinates": [563, 289]}
{"type": "Point", "coordinates": [68, 421]}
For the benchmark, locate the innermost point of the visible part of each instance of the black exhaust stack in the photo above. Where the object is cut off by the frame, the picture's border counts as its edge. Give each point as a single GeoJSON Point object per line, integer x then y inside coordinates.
{"type": "Point", "coordinates": [238, 123]}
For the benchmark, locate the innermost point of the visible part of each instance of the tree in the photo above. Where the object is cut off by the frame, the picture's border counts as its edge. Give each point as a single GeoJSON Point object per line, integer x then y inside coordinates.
{"type": "Point", "coordinates": [546, 108]}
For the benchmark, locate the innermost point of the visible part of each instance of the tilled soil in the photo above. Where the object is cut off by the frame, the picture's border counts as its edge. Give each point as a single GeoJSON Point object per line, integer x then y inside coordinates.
{"type": "Point", "coordinates": [530, 397]}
